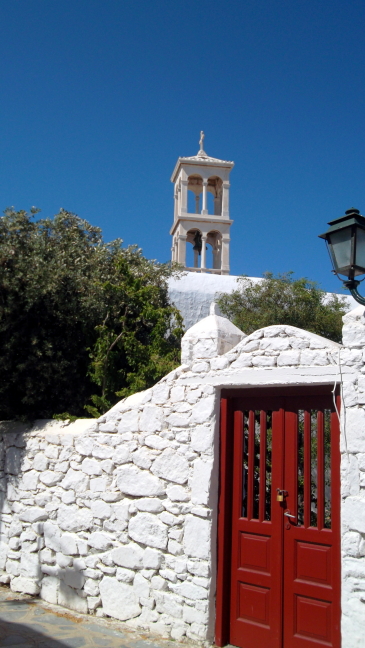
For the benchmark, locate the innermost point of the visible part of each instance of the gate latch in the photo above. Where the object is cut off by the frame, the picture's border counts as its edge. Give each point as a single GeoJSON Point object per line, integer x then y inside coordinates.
{"type": "Point", "coordinates": [288, 514]}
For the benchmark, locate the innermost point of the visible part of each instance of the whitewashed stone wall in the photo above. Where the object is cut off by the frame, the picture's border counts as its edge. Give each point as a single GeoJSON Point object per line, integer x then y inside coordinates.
{"type": "Point", "coordinates": [118, 516]}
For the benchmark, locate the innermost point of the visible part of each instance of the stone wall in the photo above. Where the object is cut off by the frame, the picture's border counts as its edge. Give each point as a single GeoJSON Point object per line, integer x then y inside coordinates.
{"type": "Point", "coordinates": [118, 516]}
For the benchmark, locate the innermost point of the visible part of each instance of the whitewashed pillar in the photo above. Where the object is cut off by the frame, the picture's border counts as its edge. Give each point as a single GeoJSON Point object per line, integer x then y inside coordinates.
{"type": "Point", "coordinates": [184, 197]}
{"type": "Point", "coordinates": [225, 200]}
{"type": "Point", "coordinates": [204, 251]}
{"type": "Point", "coordinates": [197, 203]}
{"type": "Point", "coordinates": [204, 206]}
{"type": "Point", "coordinates": [217, 206]}
{"type": "Point", "coordinates": [225, 255]}
{"type": "Point", "coordinates": [181, 249]}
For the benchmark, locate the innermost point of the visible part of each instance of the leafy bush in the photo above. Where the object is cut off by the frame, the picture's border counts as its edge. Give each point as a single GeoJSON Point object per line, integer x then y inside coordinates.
{"type": "Point", "coordinates": [81, 320]}
{"type": "Point", "coordinates": [283, 300]}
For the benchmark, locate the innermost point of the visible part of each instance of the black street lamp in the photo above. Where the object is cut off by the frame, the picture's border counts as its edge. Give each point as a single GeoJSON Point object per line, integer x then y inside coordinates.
{"type": "Point", "coordinates": [346, 246]}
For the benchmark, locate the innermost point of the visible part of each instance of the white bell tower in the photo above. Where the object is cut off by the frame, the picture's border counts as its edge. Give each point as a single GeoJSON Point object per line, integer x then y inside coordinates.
{"type": "Point", "coordinates": [201, 175]}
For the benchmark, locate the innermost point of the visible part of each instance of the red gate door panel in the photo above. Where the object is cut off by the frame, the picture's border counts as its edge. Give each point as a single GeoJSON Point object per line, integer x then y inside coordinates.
{"type": "Point", "coordinates": [312, 537]}
{"type": "Point", "coordinates": [256, 587]}
{"type": "Point", "coordinates": [283, 473]}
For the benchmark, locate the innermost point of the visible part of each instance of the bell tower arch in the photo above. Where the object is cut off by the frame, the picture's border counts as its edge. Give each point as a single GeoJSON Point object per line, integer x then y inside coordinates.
{"type": "Point", "coordinates": [201, 212]}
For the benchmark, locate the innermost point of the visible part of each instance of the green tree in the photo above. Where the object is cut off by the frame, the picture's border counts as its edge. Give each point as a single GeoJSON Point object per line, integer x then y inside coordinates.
{"type": "Point", "coordinates": [71, 327]}
{"type": "Point", "coordinates": [282, 299]}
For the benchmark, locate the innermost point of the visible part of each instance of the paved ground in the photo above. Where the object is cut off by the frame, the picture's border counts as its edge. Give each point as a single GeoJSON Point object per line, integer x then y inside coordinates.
{"type": "Point", "coordinates": [27, 622]}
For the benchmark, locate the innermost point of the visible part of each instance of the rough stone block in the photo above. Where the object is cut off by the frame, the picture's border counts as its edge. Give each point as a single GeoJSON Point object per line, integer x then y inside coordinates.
{"type": "Point", "coordinates": [72, 518]}
{"type": "Point", "coordinates": [130, 556]}
{"type": "Point", "coordinates": [353, 514]}
{"type": "Point", "coordinates": [84, 445]}
{"type": "Point", "coordinates": [202, 438]}
{"type": "Point", "coordinates": [29, 480]}
{"type": "Point", "coordinates": [201, 481]}
{"type": "Point", "coordinates": [13, 460]}
{"type": "Point", "coordinates": [70, 599]}
{"type": "Point", "coordinates": [177, 393]}
{"type": "Point", "coordinates": [133, 481]}
{"type": "Point", "coordinates": [91, 587]}
{"type": "Point", "coordinates": [289, 358]}
{"type": "Point", "coordinates": [151, 419]}
{"type": "Point", "coordinates": [33, 515]}
{"type": "Point", "coordinates": [197, 537]}
{"type": "Point", "coordinates": [156, 442]}
{"type": "Point", "coordinates": [148, 530]}
{"type": "Point", "coordinates": [98, 484]}
{"type": "Point", "coordinates": [91, 467]}
{"type": "Point", "coordinates": [264, 361]}
{"type": "Point", "coordinates": [100, 541]}
{"type": "Point", "coordinates": [149, 504]}
{"type": "Point", "coordinates": [93, 602]}
{"type": "Point", "coordinates": [141, 586]}
{"type": "Point", "coordinates": [177, 493]}
{"type": "Point", "coordinates": [355, 429]}
{"type": "Point", "coordinates": [203, 410]}
{"type": "Point", "coordinates": [101, 509]}
{"type": "Point", "coordinates": [129, 422]}
{"type": "Point", "coordinates": [125, 575]}
{"type": "Point", "coordinates": [29, 566]}
{"type": "Point", "coordinates": [152, 559]}
{"type": "Point", "coordinates": [119, 599]}
{"type": "Point", "coordinates": [191, 591]}
{"type": "Point", "coordinates": [75, 480]}
{"type": "Point", "coordinates": [24, 585]}
{"type": "Point", "coordinates": [40, 462]}
{"type": "Point", "coordinates": [49, 589]}
{"type": "Point", "coordinates": [160, 393]}
{"type": "Point", "coordinates": [171, 466]}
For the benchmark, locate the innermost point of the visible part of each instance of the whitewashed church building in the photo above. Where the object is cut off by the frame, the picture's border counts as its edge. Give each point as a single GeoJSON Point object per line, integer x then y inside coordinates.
{"type": "Point", "coordinates": [224, 505]}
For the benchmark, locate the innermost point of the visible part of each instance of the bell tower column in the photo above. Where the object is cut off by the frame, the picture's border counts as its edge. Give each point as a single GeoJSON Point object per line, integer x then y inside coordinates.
{"type": "Point", "coordinates": [204, 206]}
{"type": "Point", "coordinates": [181, 249]}
{"type": "Point", "coordinates": [225, 200]}
{"type": "Point", "coordinates": [225, 255]}
{"type": "Point", "coordinates": [184, 197]}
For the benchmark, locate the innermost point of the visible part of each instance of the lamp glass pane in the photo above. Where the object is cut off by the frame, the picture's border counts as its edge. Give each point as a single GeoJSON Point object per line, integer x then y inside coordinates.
{"type": "Point", "coordinates": [360, 249]}
{"type": "Point", "coordinates": [340, 248]}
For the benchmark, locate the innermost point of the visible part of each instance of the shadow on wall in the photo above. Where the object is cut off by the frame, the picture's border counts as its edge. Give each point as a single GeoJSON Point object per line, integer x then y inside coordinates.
{"type": "Point", "coordinates": [21, 538]}
{"type": "Point", "coordinates": [27, 504]}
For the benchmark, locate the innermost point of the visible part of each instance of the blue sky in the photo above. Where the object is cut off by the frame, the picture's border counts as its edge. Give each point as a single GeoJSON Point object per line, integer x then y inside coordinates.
{"type": "Point", "coordinates": [100, 97]}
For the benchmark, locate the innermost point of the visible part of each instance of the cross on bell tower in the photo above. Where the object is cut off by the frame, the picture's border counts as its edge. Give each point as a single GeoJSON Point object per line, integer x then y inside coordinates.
{"type": "Point", "coordinates": [195, 221]}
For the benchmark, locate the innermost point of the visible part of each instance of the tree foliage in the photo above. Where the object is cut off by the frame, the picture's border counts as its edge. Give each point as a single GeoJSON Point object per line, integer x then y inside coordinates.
{"type": "Point", "coordinates": [282, 299]}
{"type": "Point", "coordinates": [80, 319]}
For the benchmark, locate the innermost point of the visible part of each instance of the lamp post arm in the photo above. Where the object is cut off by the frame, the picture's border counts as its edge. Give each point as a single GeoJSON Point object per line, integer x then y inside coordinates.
{"type": "Point", "coordinates": [351, 285]}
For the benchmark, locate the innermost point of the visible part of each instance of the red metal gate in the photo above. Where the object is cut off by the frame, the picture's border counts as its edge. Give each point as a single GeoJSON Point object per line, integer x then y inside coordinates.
{"type": "Point", "coordinates": [278, 580]}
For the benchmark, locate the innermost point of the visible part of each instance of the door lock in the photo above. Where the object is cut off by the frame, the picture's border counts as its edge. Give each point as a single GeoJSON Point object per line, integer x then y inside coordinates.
{"type": "Point", "coordinates": [281, 494]}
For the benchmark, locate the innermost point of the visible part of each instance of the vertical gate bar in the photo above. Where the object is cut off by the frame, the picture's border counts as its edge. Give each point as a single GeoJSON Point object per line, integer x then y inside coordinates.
{"type": "Point", "coordinates": [262, 497]}
{"type": "Point", "coordinates": [307, 468]}
{"type": "Point", "coordinates": [224, 524]}
{"type": "Point", "coordinates": [320, 470]}
{"type": "Point", "coordinates": [251, 463]}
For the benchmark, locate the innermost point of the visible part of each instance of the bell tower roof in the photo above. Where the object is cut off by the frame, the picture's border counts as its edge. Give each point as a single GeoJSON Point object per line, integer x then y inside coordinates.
{"type": "Point", "coordinates": [200, 159]}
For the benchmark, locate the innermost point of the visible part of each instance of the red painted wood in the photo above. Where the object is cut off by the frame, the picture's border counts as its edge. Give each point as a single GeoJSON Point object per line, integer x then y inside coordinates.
{"type": "Point", "coordinates": [255, 614]}
{"type": "Point", "coordinates": [311, 555]}
{"type": "Point", "coordinates": [320, 470]}
{"type": "Point", "coordinates": [262, 498]}
{"type": "Point", "coordinates": [224, 526]}
{"type": "Point", "coordinates": [307, 468]}
{"type": "Point", "coordinates": [284, 579]}
{"type": "Point", "coordinates": [251, 463]}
